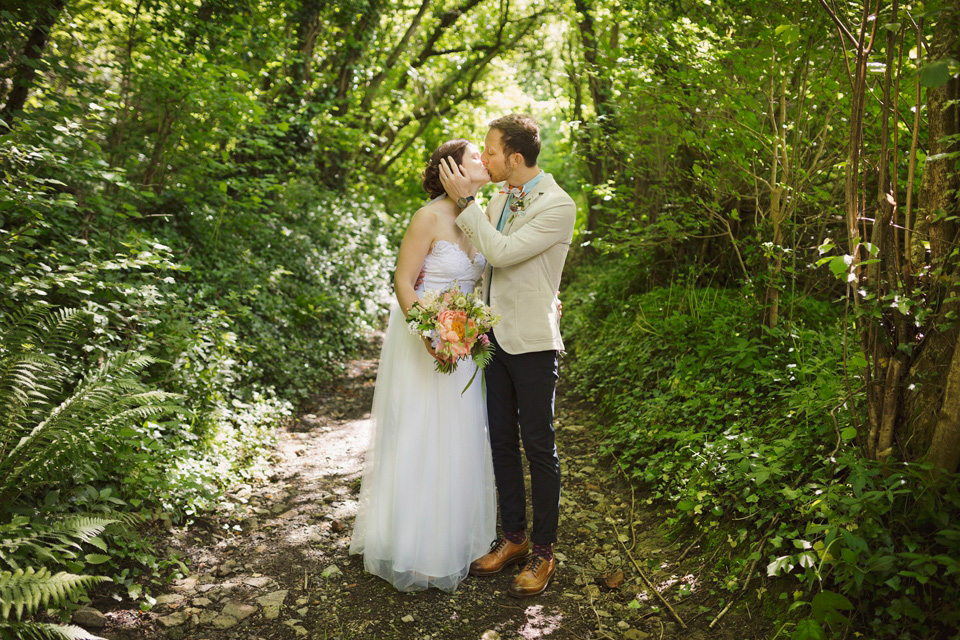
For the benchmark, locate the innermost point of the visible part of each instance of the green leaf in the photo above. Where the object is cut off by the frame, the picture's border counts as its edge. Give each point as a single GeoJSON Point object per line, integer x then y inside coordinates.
{"type": "Point", "coordinates": [783, 563]}
{"type": "Point", "coordinates": [808, 560]}
{"type": "Point", "coordinates": [686, 505]}
{"type": "Point", "coordinates": [935, 74]}
{"type": "Point", "coordinates": [96, 558]}
{"type": "Point", "coordinates": [839, 265]}
{"type": "Point", "coordinates": [98, 543]}
{"type": "Point", "coordinates": [808, 630]}
{"type": "Point", "coordinates": [826, 606]}
{"type": "Point", "coordinates": [789, 33]}
{"type": "Point", "coordinates": [849, 433]}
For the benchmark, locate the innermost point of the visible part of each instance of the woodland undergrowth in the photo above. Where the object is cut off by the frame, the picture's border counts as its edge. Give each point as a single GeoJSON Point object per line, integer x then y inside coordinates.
{"type": "Point", "coordinates": [747, 437]}
{"type": "Point", "coordinates": [147, 359]}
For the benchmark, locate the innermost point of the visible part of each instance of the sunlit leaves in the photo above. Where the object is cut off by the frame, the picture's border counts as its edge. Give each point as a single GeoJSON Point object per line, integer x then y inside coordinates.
{"type": "Point", "coordinates": [938, 73]}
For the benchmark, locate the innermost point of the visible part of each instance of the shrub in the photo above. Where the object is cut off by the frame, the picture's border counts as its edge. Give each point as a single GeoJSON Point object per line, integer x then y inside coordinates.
{"type": "Point", "coordinates": [748, 435]}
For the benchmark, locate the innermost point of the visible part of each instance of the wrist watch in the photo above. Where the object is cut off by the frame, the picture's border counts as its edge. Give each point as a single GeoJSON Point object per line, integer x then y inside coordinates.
{"type": "Point", "coordinates": [463, 202]}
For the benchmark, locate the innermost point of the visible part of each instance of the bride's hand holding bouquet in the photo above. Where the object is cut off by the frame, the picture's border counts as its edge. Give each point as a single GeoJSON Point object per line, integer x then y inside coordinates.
{"type": "Point", "coordinates": [454, 324]}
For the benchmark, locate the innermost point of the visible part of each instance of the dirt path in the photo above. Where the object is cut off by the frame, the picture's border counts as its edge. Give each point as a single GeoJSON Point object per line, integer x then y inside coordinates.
{"type": "Point", "coordinates": [279, 569]}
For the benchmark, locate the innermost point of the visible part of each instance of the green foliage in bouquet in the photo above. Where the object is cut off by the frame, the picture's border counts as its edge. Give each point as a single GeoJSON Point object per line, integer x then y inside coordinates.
{"type": "Point", "coordinates": [455, 323]}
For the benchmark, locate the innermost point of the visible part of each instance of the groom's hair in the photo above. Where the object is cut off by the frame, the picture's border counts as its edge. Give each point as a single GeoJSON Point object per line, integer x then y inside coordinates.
{"type": "Point", "coordinates": [520, 133]}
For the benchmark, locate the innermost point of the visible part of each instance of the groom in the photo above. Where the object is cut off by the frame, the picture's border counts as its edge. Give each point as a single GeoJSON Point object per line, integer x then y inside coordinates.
{"type": "Point", "coordinates": [524, 235]}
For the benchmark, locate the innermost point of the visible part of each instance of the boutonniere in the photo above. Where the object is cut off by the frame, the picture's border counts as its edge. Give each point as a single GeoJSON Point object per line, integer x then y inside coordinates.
{"type": "Point", "coordinates": [517, 193]}
{"type": "Point", "coordinates": [519, 207]}
{"type": "Point", "coordinates": [521, 201]}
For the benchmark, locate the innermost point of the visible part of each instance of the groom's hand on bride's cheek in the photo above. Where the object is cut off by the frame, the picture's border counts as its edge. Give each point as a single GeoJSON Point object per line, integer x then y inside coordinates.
{"type": "Point", "coordinates": [452, 178]}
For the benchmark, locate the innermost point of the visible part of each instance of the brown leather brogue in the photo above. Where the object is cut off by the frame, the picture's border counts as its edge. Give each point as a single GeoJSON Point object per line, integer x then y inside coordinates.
{"type": "Point", "coordinates": [503, 553]}
{"type": "Point", "coordinates": [534, 578]}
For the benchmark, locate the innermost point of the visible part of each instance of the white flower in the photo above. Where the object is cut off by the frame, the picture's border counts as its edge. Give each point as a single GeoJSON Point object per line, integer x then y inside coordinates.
{"type": "Point", "coordinates": [412, 325]}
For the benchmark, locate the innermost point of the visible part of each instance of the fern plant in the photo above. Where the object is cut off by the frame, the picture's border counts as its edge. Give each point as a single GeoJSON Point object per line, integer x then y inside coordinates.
{"type": "Point", "coordinates": [52, 416]}
{"type": "Point", "coordinates": [24, 589]}
{"type": "Point", "coordinates": [46, 413]}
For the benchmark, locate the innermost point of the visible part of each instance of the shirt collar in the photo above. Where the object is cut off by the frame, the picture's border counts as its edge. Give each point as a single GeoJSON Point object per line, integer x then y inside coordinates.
{"type": "Point", "coordinates": [532, 182]}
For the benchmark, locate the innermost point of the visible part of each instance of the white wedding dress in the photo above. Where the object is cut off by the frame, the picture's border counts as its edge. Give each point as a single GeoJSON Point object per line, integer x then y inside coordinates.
{"type": "Point", "coordinates": [427, 500]}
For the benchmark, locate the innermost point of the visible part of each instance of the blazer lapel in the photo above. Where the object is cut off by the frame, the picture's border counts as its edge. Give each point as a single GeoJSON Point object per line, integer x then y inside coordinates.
{"type": "Point", "coordinates": [495, 208]}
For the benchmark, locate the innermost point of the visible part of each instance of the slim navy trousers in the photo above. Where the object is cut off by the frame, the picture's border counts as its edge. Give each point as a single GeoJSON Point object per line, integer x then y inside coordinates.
{"type": "Point", "coordinates": [520, 398]}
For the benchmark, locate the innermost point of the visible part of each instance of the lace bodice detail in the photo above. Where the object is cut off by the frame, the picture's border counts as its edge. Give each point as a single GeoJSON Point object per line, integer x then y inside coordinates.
{"type": "Point", "coordinates": [447, 263]}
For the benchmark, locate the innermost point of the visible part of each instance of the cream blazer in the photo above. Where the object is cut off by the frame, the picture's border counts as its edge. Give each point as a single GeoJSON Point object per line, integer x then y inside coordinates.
{"type": "Point", "coordinates": [524, 263]}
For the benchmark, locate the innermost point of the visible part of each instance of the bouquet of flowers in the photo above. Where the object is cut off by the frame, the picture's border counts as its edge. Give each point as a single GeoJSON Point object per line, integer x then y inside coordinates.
{"type": "Point", "coordinates": [455, 323]}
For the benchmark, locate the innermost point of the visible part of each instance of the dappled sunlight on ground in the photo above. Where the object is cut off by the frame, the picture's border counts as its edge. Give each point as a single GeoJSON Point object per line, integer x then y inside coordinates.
{"type": "Point", "coordinates": [539, 623]}
{"type": "Point", "coordinates": [287, 538]}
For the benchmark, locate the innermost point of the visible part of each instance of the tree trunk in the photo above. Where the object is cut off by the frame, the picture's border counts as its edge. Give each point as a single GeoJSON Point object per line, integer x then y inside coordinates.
{"type": "Point", "coordinates": [26, 71]}
{"type": "Point", "coordinates": [939, 204]}
{"type": "Point", "coordinates": [938, 195]}
{"type": "Point", "coordinates": [945, 448]}
{"type": "Point", "coordinates": [600, 91]}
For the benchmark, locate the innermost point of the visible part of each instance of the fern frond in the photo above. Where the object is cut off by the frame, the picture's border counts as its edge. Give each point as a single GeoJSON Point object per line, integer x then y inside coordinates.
{"type": "Point", "coordinates": [26, 590]}
{"type": "Point", "coordinates": [69, 531]}
{"type": "Point", "coordinates": [61, 328]}
{"type": "Point", "coordinates": [144, 412]}
{"type": "Point", "coordinates": [96, 403]}
{"type": "Point", "coordinates": [483, 356]}
{"type": "Point", "coordinates": [38, 425]}
{"type": "Point", "coordinates": [23, 327]}
{"type": "Point", "coordinates": [44, 631]}
{"type": "Point", "coordinates": [20, 372]}
{"type": "Point", "coordinates": [28, 381]}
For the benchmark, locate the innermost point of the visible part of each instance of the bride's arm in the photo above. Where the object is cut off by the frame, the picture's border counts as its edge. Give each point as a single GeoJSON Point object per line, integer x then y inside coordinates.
{"type": "Point", "coordinates": [416, 245]}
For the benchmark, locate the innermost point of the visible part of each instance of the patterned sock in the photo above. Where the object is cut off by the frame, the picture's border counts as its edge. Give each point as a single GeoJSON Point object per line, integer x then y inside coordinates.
{"type": "Point", "coordinates": [545, 551]}
{"type": "Point", "coordinates": [516, 537]}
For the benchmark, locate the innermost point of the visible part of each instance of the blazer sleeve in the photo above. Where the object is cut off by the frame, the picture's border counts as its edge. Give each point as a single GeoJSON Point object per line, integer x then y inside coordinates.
{"type": "Point", "coordinates": [549, 227]}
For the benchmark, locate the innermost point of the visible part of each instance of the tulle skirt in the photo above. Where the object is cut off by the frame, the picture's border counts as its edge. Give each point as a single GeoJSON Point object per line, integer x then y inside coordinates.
{"type": "Point", "coordinates": [427, 499]}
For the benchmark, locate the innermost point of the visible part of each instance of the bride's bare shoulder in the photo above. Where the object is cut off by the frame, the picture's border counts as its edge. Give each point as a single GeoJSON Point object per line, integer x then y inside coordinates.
{"type": "Point", "coordinates": [438, 213]}
{"type": "Point", "coordinates": [425, 223]}
{"type": "Point", "coordinates": [426, 215]}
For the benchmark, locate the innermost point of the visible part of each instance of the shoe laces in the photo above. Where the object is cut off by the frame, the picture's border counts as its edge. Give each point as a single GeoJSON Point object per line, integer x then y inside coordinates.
{"type": "Point", "coordinates": [498, 544]}
{"type": "Point", "coordinates": [534, 564]}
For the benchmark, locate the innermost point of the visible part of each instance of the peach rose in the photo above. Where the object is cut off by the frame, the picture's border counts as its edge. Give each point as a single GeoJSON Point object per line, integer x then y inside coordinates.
{"type": "Point", "coordinates": [454, 325]}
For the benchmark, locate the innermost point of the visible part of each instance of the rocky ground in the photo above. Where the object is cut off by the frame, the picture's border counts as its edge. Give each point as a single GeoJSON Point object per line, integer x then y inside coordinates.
{"type": "Point", "coordinates": [277, 567]}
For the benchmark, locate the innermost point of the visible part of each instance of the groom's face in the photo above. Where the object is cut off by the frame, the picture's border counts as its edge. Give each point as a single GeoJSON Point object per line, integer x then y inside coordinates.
{"type": "Point", "coordinates": [499, 165]}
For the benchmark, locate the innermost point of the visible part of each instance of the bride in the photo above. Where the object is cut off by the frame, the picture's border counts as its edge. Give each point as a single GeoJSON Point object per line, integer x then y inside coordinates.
{"type": "Point", "coordinates": [427, 499]}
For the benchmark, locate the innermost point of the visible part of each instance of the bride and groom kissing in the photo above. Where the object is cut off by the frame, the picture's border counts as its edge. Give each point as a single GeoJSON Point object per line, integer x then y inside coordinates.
{"type": "Point", "coordinates": [441, 463]}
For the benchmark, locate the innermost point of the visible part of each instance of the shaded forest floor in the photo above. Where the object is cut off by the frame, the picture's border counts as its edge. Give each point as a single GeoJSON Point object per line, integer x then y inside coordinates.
{"type": "Point", "coordinates": [277, 567]}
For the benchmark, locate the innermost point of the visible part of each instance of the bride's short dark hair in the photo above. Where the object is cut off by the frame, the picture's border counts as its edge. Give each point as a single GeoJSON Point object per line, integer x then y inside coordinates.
{"type": "Point", "coordinates": [431, 175]}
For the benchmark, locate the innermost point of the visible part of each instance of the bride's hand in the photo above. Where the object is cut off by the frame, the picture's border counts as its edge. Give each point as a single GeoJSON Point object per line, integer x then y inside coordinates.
{"type": "Point", "coordinates": [432, 351]}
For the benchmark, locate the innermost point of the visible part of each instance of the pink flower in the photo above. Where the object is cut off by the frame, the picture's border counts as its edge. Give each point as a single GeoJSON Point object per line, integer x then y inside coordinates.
{"type": "Point", "coordinates": [454, 325]}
